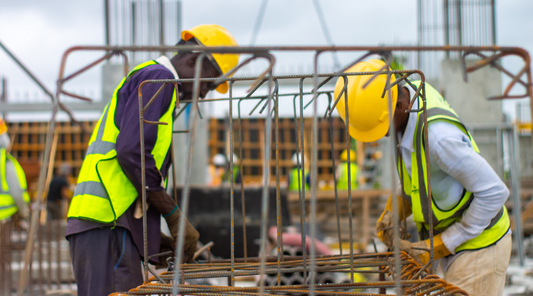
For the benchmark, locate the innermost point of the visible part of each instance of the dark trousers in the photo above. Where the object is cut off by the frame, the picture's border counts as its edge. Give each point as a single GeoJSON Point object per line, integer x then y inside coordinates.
{"type": "Point", "coordinates": [54, 209]}
{"type": "Point", "coordinates": [105, 260]}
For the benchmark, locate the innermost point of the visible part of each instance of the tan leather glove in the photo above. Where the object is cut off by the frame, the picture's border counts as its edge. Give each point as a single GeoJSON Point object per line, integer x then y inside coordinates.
{"type": "Point", "coordinates": [384, 223]}
{"type": "Point", "coordinates": [422, 256]}
{"type": "Point", "coordinates": [191, 235]}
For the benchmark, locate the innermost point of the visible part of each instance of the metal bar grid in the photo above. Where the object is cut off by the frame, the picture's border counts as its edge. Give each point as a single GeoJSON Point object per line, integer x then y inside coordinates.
{"type": "Point", "coordinates": [265, 52]}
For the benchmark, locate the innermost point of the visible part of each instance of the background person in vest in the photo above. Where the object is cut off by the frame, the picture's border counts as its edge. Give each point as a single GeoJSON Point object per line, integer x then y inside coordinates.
{"type": "Point", "coordinates": [105, 226]}
{"type": "Point", "coordinates": [473, 240]}
{"type": "Point", "coordinates": [14, 196]}
{"type": "Point", "coordinates": [296, 173]}
{"type": "Point", "coordinates": [237, 174]}
{"type": "Point", "coordinates": [58, 191]}
{"type": "Point", "coordinates": [217, 170]}
{"type": "Point", "coordinates": [342, 171]}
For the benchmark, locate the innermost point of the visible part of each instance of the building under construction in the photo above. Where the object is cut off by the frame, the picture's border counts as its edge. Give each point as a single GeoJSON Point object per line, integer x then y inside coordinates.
{"type": "Point", "coordinates": [285, 183]}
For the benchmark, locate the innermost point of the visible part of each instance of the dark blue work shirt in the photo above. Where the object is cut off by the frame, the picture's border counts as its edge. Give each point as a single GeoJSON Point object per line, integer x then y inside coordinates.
{"type": "Point", "coordinates": [129, 154]}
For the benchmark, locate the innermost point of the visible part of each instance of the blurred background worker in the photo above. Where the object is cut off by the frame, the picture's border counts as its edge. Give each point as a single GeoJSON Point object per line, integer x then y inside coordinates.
{"type": "Point", "coordinates": [14, 197]}
{"type": "Point", "coordinates": [471, 224]}
{"type": "Point", "coordinates": [342, 171]}
{"type": "Point", "coordinates": [297, 173]}
{"type": "Point", "coordinates": [237, 176]}
{"type": "Point", "coordinates": [58, 191]}
{"type": "Point", "coordinates": [217, 170]}
{"type": "Point", "coordinates": [104, 228]}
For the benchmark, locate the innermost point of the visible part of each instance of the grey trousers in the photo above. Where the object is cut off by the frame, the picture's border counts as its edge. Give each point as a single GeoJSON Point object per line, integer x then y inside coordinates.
{"type": "Point", "coordinates": [105, 260]}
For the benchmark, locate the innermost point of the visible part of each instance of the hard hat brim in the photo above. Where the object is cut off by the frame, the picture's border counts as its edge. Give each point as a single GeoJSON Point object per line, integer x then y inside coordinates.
{"type": "Point", "coordinates": [223, 87]}
{"type": "Point", "coordinates": [371, 135]}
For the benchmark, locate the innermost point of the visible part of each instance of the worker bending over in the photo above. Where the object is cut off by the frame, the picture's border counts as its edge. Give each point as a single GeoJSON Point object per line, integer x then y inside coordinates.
{"type": "Point", "coordinates": [104, 220]}
{"type": "Point", "coordinates": [14, 197]}
{"type": "Point", "coordinates": [471, 225]}
{"type": "Point", "coordinates": [342, 171]}
{"type": "Point", "coordinates": [296, 175]}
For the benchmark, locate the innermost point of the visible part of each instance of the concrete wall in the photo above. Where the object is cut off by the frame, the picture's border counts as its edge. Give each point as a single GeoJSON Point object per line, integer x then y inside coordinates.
{"type": "Point", "coordinates": [469, 100]}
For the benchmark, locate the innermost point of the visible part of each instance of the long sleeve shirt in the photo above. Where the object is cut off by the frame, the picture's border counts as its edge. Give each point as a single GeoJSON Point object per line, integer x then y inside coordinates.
{"type": "Point", "coordinates": [128, 149]}
{"type": "Point", "coordinates": [455, 166]}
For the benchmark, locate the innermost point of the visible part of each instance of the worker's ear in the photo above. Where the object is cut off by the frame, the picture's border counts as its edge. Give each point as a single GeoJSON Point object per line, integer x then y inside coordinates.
{"type": "Point", "coordinates": [191, 60]}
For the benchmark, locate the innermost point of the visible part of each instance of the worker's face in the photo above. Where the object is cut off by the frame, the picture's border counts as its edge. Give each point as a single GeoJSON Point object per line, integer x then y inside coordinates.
{"type": "Point", "coordinates": [208, 71]}
{"type": "Point", "coordinates": [400, 116]}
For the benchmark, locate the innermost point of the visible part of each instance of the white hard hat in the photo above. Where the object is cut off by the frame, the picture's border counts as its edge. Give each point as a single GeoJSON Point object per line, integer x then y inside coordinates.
{"type": "Point", "coordinates": [295, 158]}
{"type": "Point", "coordinates": [235, 159]}
{"type": "Point", "coordinates": [219, 160]}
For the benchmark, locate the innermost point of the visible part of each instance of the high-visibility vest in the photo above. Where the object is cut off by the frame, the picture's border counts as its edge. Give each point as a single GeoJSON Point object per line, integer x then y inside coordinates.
{"type": "Point", "coordinates": [342, 181]}
{"type": "Point", "coordinates": [7, 204]}
{"type": "Point", "coordinates": [104, 192]}
{"type": "Point", "coordinates": [416, 185]}
{"type": "Point", "coordinates": [236, 171]}
{"type": "Point", "coordinates": [295, 175]}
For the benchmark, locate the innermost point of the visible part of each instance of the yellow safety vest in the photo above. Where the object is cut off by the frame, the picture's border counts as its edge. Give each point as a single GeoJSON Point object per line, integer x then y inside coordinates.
{"type": "Point", "coordinates": [7, 204]}
{"type": "Point", "coordinates": [416, 185]}
{"type": "Point", "coordinates": [296, 175]}
{"type": "Point", "coordinates": [342, 182]}
{"type": "Point", "coordinates": [104, 192]}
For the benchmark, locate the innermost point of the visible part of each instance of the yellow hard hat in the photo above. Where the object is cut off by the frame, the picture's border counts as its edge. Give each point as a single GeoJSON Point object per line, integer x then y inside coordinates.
{"type": "Point", "coordinates": [344, 155]}
{"type": "Point", "coordinates": [3, 127]}
{"type": "Point", "coordinates": [215, 35]}
{"type": "Point", "coordinates": [369, 114]}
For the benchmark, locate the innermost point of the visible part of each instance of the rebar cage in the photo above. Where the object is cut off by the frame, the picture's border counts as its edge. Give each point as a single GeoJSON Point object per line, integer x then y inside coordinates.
{"type": "Point", "coordinates": [408, 276]}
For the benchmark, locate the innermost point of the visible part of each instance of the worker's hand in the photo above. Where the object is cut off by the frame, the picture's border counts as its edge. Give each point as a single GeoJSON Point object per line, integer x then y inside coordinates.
{"type": "Point", "coordinates": [420, 250]}
{"type": "Point", "coordinates": [191, 235]}
{"type": "Point", "coordinates": [168, 243]}
{"type": "Point", "coordinates": [384, 223]}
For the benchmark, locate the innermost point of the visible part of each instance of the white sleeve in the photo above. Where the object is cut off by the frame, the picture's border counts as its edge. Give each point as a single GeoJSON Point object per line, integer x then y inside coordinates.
{"type": "Point", "coordinates": [454, 155]}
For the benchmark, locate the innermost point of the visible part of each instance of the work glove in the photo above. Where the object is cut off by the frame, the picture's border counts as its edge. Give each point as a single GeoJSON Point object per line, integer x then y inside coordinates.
{"type": "Point", "coordinates": [191, 235]}
{"type": "Point", "coordinates": [385, 222]}
{"type": "Point", "coordinates": [165, 205]}
{"type": "Point", "coordinates": [423, 256]}
{"type": "Point", "coordinates": [167, 244]}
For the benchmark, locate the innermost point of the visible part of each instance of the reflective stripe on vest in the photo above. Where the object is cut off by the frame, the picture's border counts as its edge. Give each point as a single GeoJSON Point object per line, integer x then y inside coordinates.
{"type": "Point", "coordinates": [342, 182]}
{"type": "Point", "coordinates": [295, 176]}
{"type": "Point", "coordinates": [7, 204]}
{"type": "Point", "coordinates": [416, 185]}
{"type": "Point", "coordinates": [104, 192]}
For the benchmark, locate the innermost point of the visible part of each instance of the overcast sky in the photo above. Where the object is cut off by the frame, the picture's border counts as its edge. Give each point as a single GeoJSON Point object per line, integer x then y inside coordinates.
{"type": "Point", "coordinates": [39, 31]}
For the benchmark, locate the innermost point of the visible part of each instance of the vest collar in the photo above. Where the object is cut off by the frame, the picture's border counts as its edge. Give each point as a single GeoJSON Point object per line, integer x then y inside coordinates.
{"type": "Point", "coordinates": [165, 61]}
{"type": "Point", "coordinates": [406, 138]}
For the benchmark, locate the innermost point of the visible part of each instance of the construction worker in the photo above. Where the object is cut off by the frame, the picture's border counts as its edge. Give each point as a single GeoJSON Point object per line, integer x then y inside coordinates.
{"type": "Point", "coordinates": [471, 225]}
{"type": "Point", "coordinates": [296, 174]}
{"type": "Point", "coordinates": [105, 228]}
{"type": "Point", "coordinates": [217, 170]}
{"type": "Point", "coordinates": [14, 197]}
{"type": "Point", "coordinates": [58, 191]}
{"type": "Point", "coordinates": [237, 176]}
{"type": "Point", "coordinates": [342, 171]}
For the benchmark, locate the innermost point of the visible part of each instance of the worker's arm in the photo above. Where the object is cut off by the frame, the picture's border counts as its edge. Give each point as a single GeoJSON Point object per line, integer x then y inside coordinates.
{"type": "Point", "coordinates": [452, 151]}
{"type": "Point", "coordinates": [16, 191]}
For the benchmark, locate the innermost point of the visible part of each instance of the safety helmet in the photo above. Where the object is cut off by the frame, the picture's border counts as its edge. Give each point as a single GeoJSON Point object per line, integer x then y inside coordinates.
{"type": "Point", "coordinates": [219, 160]}
{"type": "Point", "coordinates": [215, 35]}
{"type": "Point", "coordinates": [344, 155]}
{"type": "Point", "coordinates": [3, 126]}
{"type": "Point", "coordinates": [368, 111]}
{"type": "Point", "coordinates": [297, 156]}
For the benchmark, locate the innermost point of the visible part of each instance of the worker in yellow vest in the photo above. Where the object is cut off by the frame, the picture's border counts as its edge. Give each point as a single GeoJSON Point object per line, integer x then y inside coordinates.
{"type": "Point", "coordinates": [14, 196]}
{"type": "Point", "coordinates": [342, 171]}
{"type": "Point", "coordinates": [471, 224]}
{"type": "Point", "coordinates": [105, 229]}
{"type": "Point", "coordinates": [296, 173]}
{"type": "Point", "coordinates": [217, 170]}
